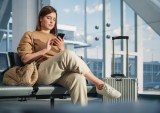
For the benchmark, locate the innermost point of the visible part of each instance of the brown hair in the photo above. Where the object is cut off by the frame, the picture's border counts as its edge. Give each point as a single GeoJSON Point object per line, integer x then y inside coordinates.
{"type": "Point", "coordinates": [43, 12]}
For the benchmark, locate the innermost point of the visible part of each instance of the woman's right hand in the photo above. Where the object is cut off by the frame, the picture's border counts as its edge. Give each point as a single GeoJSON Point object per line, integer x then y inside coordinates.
{"type": "Point", "coordinates": [36, 55]}
{"type": "Point", "coordinates": [48, 47]}
{"type": "Point", "coordinates": [49, 44]}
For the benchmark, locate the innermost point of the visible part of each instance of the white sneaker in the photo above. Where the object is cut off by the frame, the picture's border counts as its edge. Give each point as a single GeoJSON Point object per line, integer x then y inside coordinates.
{"type": "Point", "coordinates": [108, 91]}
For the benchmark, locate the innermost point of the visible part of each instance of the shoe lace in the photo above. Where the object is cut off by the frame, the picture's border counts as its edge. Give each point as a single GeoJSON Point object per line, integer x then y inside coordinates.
{"type": "Point", "coordinates": [108, 90]}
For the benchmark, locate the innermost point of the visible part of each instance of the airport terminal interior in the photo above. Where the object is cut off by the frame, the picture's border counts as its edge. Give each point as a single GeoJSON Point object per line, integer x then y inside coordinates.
{"type": "Point", "coordinates": [91, 28]}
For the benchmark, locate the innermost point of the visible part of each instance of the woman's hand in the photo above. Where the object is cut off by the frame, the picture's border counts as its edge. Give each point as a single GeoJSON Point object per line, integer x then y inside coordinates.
{"type": "Point", "coordinates": [49, 44]}
{"type": "Point", "coordinates": [48, 47]}
{"type": "Point", "coordinates": [59, 42]}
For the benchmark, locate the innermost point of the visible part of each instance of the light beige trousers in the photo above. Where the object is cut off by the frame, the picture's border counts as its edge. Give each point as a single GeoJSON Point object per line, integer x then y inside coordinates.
{"type": "Point", "coordinates": [66, 69]}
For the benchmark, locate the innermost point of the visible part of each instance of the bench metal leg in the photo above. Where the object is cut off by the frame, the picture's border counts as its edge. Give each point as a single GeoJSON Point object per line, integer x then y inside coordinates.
{"type": "Point", "coordinates": [52, 102]}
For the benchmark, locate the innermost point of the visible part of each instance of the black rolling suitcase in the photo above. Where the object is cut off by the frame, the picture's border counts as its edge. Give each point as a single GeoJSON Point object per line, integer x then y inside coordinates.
{"type": "Point", "coordinates": [120, 81]}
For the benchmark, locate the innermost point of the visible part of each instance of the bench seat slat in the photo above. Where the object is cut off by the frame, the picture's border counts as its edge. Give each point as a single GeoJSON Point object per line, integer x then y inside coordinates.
{"type": "Point", "coordinates": [6, 91]}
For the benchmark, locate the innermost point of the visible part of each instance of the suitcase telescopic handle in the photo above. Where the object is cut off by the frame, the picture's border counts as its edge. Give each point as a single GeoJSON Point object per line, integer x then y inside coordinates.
{"type": "Point", "coordinates": [120, 37]}
{"type": "Point", "coordinates": [113, 61]}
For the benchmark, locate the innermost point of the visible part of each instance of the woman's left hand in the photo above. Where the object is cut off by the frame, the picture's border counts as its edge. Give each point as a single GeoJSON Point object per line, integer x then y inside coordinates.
{"type": "Point", "coordinates": [59, 42]}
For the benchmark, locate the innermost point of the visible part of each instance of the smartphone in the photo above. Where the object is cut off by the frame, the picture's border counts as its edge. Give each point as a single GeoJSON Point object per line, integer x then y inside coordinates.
{"type": "Point", "coordinates": [61, 35]}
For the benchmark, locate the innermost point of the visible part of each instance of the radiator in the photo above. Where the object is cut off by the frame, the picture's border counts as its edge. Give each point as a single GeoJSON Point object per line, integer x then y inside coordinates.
{"type": "Point", "coordinates": [127, 86]}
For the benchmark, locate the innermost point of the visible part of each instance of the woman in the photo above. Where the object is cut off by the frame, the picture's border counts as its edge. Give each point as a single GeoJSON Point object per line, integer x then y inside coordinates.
{"type": "Point", "coordinates": [57, 65]}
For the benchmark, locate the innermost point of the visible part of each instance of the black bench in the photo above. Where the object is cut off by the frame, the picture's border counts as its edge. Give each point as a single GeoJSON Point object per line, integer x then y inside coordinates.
{"type": "Point", "coordinates": [39, 92]}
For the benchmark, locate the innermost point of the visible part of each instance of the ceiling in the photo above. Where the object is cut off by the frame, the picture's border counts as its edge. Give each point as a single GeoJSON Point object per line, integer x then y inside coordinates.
{"type": "Point", "coordinates": [148, 10]}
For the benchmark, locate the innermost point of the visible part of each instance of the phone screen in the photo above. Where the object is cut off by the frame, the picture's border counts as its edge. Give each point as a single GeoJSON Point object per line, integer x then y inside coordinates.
{"type": "Point", "coordinates": [61, 35]}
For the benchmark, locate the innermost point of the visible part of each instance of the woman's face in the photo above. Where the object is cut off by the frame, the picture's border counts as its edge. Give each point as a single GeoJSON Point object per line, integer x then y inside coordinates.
{"type": "Point", "coordinates": [48, 21]}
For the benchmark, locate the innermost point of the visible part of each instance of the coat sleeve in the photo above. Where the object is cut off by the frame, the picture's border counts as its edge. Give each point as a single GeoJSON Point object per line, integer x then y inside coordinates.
{"type": "Point", "coordinates": [26, 45]}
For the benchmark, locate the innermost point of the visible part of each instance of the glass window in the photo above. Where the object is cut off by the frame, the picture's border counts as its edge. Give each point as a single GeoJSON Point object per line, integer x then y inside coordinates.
{"type": "Point", "coordinates": [5, 25]}
{"type": "Point", "coordinates": [132, 67]}
{"type": "Point", "coordinates": [94, 30]}
{"type": "Point", "coordinates": [129, 28]}
{"type": "Point", "coordinates": [116, 22]}
{"type": "Point", "coordinates": [118, 64]}
{"type": "Point", "coordinates": [72, 14]}
{"type": "Point", "coordinates": [151, 56]}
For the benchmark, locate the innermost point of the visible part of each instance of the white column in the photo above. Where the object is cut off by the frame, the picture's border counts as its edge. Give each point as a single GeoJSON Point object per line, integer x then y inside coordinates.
{"type": "Point", "coordinates": [24, 19]}
{"type": "Point", "coordinates": [140, 55]}
{"type": "Point", "coordinates": [107, 49]}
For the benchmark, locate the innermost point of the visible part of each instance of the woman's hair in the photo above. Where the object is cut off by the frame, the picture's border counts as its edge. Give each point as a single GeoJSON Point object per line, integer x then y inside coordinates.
{"type": "Point", "coordinates": [43, 12]}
